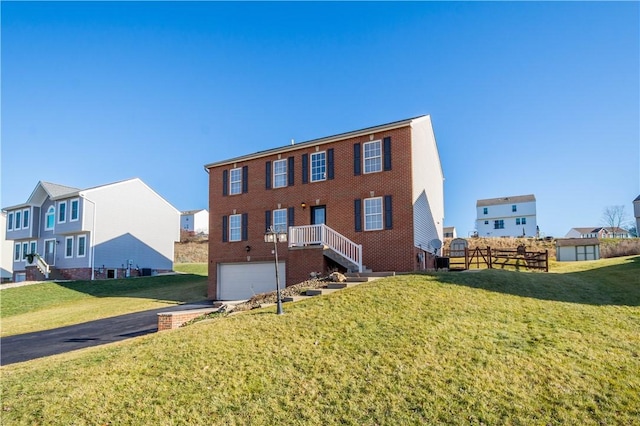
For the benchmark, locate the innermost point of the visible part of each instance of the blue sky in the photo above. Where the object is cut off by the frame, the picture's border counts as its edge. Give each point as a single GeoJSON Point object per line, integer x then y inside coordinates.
{"type": "Point", "coordinates": [540, 98]}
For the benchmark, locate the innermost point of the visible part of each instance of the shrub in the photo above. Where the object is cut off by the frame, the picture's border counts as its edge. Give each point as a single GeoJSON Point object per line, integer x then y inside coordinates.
{"type": "Point", "coordinates": [619, 247]}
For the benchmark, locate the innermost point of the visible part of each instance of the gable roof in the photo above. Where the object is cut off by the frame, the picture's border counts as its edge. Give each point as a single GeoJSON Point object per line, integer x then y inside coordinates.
{"type": "Point", "coordinates": [593, 230]}
{"type": "Point", "coordinates": [327, 139]}
{"type": "Point", "coordinates": [188, 212]}
{"type": "Point", "coordinates": [637, 198]}
{"type": "Point", "coordinates": [505, 200]}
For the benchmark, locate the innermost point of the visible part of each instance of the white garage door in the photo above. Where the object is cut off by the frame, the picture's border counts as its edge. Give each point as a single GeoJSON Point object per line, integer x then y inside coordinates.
{"type": "Point", "coordinates": [239, 281]}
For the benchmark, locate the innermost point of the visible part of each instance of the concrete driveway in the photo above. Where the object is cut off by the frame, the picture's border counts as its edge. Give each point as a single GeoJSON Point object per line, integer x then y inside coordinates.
{"type": "Point", "coordinates": [25, 347]}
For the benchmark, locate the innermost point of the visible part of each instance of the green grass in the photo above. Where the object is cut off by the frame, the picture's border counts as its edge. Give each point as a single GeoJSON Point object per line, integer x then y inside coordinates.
{"type": "Point", "coordinates": [51, 305]}
{"type": "Point", "coordinates": [487, 347]}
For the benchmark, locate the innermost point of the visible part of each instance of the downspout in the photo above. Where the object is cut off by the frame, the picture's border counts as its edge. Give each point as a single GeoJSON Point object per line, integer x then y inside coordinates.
{"type": "Point", "coordinates": [91, 240]}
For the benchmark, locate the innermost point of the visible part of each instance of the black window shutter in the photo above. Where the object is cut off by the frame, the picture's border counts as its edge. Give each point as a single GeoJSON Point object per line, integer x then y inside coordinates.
{"type": "Point", "coordinates": [330, 163]}
{"type": "Point", "coordinates": [267, 220]}
{"type": "Point", "coordinates": [245, 179]}
{"type": "Point", "coordinates": [387, 153]}
{"type": "Point", "coordinates": [245, 226]}
{"type": "Point", "coordinates": [305, 168]}
{"type": "Point", "coordinates": [225, 182]}
{"type": "Point", "coordinates": [290, 177]}
{"type": "Point", "coordinates": [225, 229]}
{"type": "Point", "coordinates": [388, 212]}
{"type": "Point", "coordinates": [267, 175]}
{"type": "Point", "coordinates": [291, 211]}
{"type": "Point", "coordinates": [356, 159]}
{"type": "Point", "coordinates": [357, 210]}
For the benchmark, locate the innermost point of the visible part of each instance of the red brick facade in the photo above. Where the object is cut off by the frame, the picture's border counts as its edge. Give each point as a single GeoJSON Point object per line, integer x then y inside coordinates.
{"type": "Point", "coordinates": [383, 250]}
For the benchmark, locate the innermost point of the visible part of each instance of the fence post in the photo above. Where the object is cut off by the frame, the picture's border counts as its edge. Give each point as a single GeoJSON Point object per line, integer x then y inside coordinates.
{"type": "Point", "coordinates": [489, 260]}
{"type": "Point", "coordinates": [546, 260]}
{"type": "Point", "coordinates": [466, 258]}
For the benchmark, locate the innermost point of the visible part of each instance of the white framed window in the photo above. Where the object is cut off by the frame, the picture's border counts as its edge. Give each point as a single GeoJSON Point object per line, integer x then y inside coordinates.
{"type": "Point", "coordinates": [373, 214]}
{"type": "Point", "coordinates": [517, 221]}
{"type": "Point", "coordinates": [25, 219]}
{"type": "Point", "coordinates": [235, 181]}
{"type": "Point", "coordinates": [279, 173]}
{"type": "Point", "coordinates": [10, 221]}
{"type": "Point", "coordinates": [16, 252]}
{"type": "Point", "coordinates": [75, 210]}
{"type": "Point", "coordinates": [18, 221]}
{"type": "Point", "coordinates": [235, 227]}
{"type": "Point", "coordinates": [372, 156]}
{"type": "Point", "coordinates": [280, 220]}
{"type": "Point", "coordinates": [514, 208]}
{"type": "Point", "coordinates": [50, 218]}
{"type": "Point", "coordinates": [524, 220]}
{"type": "Point", "coordinates": [82, 245]}
{"type": "Point", "coordinates": [485, 210]}
{"type": "Point", "coordinates": [68, 247]}
{"type": "Point", "coordinates": [498, 224]}
{"type": "Point", "coordinates": [62, 212]}
{"type": "Point", "coordinates": [318, 166]}
{"type": "Point", "coordinates": [25, 249]}
{"type": "Point", "coordinates": [33, 247]}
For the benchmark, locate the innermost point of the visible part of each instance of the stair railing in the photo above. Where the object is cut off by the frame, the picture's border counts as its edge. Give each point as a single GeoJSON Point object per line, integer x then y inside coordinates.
{"type": "Point", "coordinates": [321, 234]}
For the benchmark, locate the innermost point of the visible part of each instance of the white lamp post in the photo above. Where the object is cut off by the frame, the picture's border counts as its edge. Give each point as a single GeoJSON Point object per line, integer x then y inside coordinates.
{"type": "Point", "coordinates": [276, 236]}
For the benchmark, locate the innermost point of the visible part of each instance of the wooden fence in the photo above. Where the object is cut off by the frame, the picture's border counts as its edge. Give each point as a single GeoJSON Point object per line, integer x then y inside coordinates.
{"type": "Point", "coordinates": [497, 258]}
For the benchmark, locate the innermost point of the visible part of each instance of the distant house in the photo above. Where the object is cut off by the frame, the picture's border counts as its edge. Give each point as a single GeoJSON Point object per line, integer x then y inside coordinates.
{"type": "Point", "coordinates": [636, 213]}
{"type": "Point", "coordinates": [196, 221]}
{"type": "Point", "coordinates": [450, 232]}
{"type": "Point", "coordinates": [597, 232]}
{"type": "Point", "coordinates": [6, 252]}
{"type": "Point", "coordinates": [111, 231]}
{"type": "Point", "coordinates": [513, 216]}
{"type": "Point", "coordinates": [577, 249]}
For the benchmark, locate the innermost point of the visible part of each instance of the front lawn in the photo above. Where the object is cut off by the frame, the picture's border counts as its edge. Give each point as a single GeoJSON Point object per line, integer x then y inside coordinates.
{"type": "Point", "coordinates": [487, 347]}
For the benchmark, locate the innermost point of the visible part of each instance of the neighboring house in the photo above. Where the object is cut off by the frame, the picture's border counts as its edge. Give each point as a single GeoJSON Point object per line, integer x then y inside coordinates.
{"type": "Point", "coordinates": [369, 199]}
{"type": "Point", "coordinates": [112, 231]}
{"type": "Point", "coordinates": [507, 216]}
{"type": "Point", "coordinates": [196, 221]}
{"type": "Point", "coordinates": [6, 252]}
{"type": "Point", "coordinates": [577, 249]}
{"type": "Point", "coordinates": [636, 213]}
{"type": "Point", "coordinates": [597, 232]}
{"type": "Point", "coordinates": [450, 232]}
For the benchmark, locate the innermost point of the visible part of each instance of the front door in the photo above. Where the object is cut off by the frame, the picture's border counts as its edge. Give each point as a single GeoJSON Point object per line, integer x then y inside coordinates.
{"type": "Point", "coordinates": [318, 215]}
{"type": "Point", "coordinates": [50, 252]}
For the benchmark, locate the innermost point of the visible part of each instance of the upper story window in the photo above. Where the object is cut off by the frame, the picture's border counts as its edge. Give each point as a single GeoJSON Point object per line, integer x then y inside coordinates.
{"type": "Point", "coordinates": [25, 219]}
{"type": "Point", "coordinates": [62, 212]}
{"type": "Point", "coordinates": [10, 221]}
{"type": "Point", "coordinates": [235, 181]}
{"type": "Point", "coordinates": [498, 224]}
{"type": "Point", "coordinates": [373, 214]}
{"type": "Point", "coordinates": [485, 210]}
{"type": "Point", "coordinates": [50, 218]}
{"type": "Point", "coordinates": [514, 208]}
{"type": "Point", "coordinates": [235, 227]}
{"type": "Point", "coordinates": [279, 173]}
{"type": "Point", "coordinates": [18, 220]}
{"type": "Point", "coordinates": [75, 210]}
{"type": "Point", "coordinates": [280, 220]}
{"type": "Point", "coordinates": [372, 157]}
{"type": "Point", "coordinates": [318, 166]}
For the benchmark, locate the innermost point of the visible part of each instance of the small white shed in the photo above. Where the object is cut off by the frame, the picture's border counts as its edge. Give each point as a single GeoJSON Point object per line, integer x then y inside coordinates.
{"type": "Point", "coordinates": [577, 249]}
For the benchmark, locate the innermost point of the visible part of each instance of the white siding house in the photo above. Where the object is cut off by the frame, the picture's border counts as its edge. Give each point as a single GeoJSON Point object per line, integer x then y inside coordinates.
{"type": "Point", "coordinates": [116, 230]}
{"type": "Point", "coordinates": [513, 216]}
{"type": "Point", "coordinates": [196, 221]}
{"type": "Point", "coordinates": [636, 213]}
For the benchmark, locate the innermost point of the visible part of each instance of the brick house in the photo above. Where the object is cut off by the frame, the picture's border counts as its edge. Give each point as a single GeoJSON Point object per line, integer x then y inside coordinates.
{"type": "Point", "coordinates": [365, 200]}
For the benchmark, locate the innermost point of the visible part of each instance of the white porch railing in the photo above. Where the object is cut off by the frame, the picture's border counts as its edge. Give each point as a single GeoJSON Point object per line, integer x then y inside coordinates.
{"type": "Point", "coordinates": [39, 263]}
{"type": "Point", "coordinates": [321, 234]}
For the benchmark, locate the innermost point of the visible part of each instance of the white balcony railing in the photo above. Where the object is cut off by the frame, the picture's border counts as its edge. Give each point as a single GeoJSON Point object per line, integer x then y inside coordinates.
{"type": "Point", "coordinates": [39, 263]}
{"type": "Point", "coordinates": [321, 234]}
